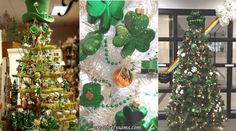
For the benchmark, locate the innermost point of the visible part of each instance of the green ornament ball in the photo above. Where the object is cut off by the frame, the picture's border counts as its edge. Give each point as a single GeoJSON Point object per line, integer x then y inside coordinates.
{"type": "Point", "coordinates": [194, 110]}
{"type": "Point", "coordinates": [44, 28]}
{"type": "Point", "coordinates": [42, 39]}
{"type": "Point", "coordinates": [208, 82]}
{"type": "Point", "coordinates": [34, 29]}
{"type": "Point", "coordinates": [195, 79]}
{"type": "Point", "coordinates": [194, 46]}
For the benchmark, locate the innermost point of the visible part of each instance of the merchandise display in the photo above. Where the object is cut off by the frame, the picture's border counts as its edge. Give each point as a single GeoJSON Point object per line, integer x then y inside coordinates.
{"type": "Point", "coordinates": [196, 103]}
{"type": "Point", "coordinates": [118, 65]}
{"type": "Point", "coordinates": [41, 96]}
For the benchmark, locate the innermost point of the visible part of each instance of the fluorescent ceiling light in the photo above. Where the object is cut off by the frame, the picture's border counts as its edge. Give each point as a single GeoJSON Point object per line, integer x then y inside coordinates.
{"type": "Point", "coordinates": [59, 9]}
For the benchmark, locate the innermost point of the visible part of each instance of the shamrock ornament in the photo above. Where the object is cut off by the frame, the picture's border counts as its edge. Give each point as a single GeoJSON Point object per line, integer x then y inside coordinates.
{"type": "Point", "coordinates": [134, 34]}
{"type": "Point", "coordinates": [108, 11]}
{"type": "Point", "coordinates": [89, 45]}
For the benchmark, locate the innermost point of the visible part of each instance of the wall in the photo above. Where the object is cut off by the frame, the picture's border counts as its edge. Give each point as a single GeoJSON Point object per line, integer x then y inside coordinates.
{"type": "Point", "coordinates": [191, 4]}
{"type": "Point", "coordinates": [62, 32]}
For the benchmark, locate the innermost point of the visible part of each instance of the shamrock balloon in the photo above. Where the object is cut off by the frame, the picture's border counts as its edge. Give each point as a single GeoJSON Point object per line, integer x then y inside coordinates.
{"type": "Point", "coordinates": [134, 34]}
{"type": "Point", "coordinates": [108, 11]}
{"type": "Point", "coordinates": [89, 45]}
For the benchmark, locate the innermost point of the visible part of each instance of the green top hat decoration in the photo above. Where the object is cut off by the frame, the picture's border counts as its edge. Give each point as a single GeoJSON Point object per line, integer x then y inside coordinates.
{"type": "Point", "coordinates": [195, 20]}
{"type": "Point", "coordinates": [91, 96]}
{"type": "Point", "coordinates": [37, 9]}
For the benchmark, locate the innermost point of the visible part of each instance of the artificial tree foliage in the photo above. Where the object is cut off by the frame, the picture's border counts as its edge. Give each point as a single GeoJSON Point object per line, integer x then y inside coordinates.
{"type": "Point", "coordinates": [195, 103]}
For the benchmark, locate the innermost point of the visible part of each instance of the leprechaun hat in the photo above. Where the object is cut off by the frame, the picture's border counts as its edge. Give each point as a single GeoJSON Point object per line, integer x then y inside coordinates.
{"type": "Point", "coordinates": [37, 9]}
{"type": "Point", "coordinates": [91, 96]}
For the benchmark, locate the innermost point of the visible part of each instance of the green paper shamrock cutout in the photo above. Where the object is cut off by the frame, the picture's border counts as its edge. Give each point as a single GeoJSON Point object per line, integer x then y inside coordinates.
{"type": "Point", "coordinates": [134, 35]}
{"type": "Point", "coordinates": [89, 45]}
{"type": "Point", "coordinates": [108, 11]}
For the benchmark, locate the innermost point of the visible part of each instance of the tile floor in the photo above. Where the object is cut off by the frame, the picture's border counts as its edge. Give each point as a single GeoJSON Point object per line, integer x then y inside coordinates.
{"type": "Point", "coordinates": [230, 125]}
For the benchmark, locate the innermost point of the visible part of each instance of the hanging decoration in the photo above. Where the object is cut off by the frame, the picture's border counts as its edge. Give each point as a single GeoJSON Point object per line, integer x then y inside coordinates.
{"type": "Point", "coordinates": [107, 11]}
{"type": "Point", "coordinates": [91, 96]}
{"type": "Point", "coordinates": [122, 77]}
{"type": "Point", "coordinates": [226, 13]}
{"type": "Point", "coordinates": [134, 115]}
{"type": "Point", "coordinates": [134, 34]}
{"type": "Point", "coordinates": [89, 45]}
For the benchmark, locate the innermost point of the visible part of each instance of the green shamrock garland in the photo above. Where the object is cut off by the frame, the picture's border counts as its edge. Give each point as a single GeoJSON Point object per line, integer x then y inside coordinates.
{"type": "Point", "coordinates": [89, 45]}
{"type": "Point", "coordinates": [134, 34]}
{"type": "Point", "coordinates": [108, 11]}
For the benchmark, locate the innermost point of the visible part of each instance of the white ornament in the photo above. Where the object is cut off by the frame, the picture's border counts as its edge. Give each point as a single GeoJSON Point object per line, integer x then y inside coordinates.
{"type": "Point", "coordinates": [189, 73]}
{"type": "Point", "coordinates": [178, 52]}
{"type": "Point", "coordinates": [194, 69]}
{"type": "Point", "coordinates": [182, 92]}
{"type": "Point", "coordinates": [183, 54]}
{"type": "Point", "coordinates": [226, 13]}
{"type": "Point", "coordinates": [220, 109]}
{"type": "Point", "coordinates": [176, 91]}
{"type": "Point", "coordinates": [186, 71]}
{"type": "Point", "coordinates": [211, 73]}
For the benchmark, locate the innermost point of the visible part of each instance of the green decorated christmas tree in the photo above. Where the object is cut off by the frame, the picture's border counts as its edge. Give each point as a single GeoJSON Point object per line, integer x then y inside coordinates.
{"type": "Point", "coordinates": [45, 102]}
{"type": "Point", "coordinates": [196, 103]}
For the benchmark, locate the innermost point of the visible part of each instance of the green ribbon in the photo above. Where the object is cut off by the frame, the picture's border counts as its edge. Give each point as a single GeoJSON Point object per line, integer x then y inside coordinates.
{"type": "Point", "coordinates": [108, 11]}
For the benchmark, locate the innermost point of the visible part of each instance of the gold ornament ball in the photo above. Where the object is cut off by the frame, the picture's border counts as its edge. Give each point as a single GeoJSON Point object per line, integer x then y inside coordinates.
{"type": "Point", "coordinates": [122, 77]}
{"type": "Point", "coordinates": [37, 74]}
{"type": "Point", "coordinates": [23, 103]}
